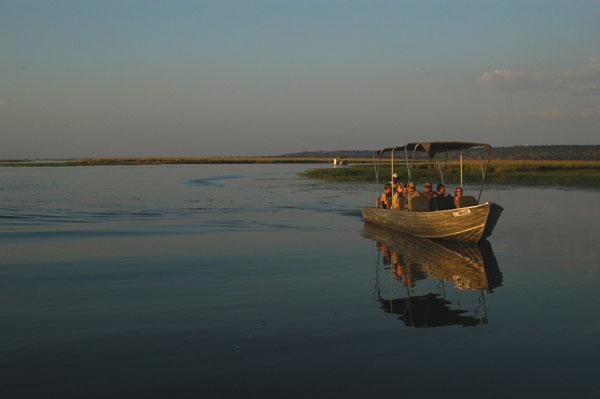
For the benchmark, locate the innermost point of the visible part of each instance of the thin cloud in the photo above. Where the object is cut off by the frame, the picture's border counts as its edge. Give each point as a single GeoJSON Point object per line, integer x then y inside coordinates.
{"type": "Point", "coordinates": [2, 101]}
{"type": "Point", "coordinates": [581, 80]}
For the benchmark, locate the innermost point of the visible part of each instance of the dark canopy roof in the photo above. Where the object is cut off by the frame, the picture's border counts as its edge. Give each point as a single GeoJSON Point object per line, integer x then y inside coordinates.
{"type": "Point", "coordinates": [433, 148]}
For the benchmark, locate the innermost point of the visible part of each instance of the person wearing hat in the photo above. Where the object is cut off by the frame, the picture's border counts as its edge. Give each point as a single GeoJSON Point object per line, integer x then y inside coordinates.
{"type": "Point", "coordinates": [411, 196]}
{"type": "Point", "coordinates": [427, 193]}
{"type": "Point", "coordinates": [394, 180]}
{"type": "Point", "coordinates": [412, 192]}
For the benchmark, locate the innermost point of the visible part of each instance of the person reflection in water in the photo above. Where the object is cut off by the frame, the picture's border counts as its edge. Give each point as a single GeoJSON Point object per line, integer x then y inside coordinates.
{"type": "Point", "coordinates": [387, 259]}
{"type": "Point", "coordinates": [402, 273]}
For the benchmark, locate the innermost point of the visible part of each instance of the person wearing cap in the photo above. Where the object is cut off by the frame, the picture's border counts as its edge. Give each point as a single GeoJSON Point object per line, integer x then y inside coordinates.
{"type": "Point", "coordinates": [411, 191]}
{"type": "Point", "coordinates": [427, 193]}
{"type": "Point", "coordinates": [394, 181]}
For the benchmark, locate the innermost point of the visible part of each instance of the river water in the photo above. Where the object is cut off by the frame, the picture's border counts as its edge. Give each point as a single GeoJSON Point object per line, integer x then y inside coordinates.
{"type": "Point", "coordinates": [249, 281]}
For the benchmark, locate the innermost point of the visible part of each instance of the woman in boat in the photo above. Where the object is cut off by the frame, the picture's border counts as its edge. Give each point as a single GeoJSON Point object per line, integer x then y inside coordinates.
{"type": "Point", "coordinates": [386, 197]}
{"type": "Point", "coordinates": [398, 198]}
{"type": "Point", "coordinates": [458, 195]}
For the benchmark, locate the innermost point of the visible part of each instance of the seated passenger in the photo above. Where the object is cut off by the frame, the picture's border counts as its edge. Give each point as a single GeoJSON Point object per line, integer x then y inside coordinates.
{"type": "Point", "coordinates": [441, 200]}
{"type": "Point", "coordinates": [394, 181]}
{"type": "Point", "coordinates": [416, 201]}
{"type": "Point", "coordinates": [458, 196]}
{"type": "Point", "coordinates": [427, 193]}
{"type": "Point", "coordinates": [440, 203]}
{"type": "Point", "coordinates": [441, 191]}
{"type": "Point", "coordinates": [411, 191]}
{"type": "Point", "coordinates": [386, 197]}
{"type": "Point", "coordinates": [398, 197]}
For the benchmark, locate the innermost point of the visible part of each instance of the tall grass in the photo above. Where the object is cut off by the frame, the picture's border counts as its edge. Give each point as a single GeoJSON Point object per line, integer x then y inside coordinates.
{"type": "Point", "coordinates": [500, 171]}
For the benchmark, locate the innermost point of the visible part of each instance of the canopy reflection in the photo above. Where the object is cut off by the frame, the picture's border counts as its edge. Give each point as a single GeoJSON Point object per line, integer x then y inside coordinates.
{"type": "Point", "coordinates": [417, 263]}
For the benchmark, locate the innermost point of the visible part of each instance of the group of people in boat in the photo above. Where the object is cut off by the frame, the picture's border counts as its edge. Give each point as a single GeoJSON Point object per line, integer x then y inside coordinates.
{"type": "Point", "coordinates": [405, 197]}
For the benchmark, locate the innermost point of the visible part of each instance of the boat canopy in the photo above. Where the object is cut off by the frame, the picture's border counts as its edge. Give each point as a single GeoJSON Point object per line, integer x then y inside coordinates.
{"type": "Point", "coordinates": [435, 147]}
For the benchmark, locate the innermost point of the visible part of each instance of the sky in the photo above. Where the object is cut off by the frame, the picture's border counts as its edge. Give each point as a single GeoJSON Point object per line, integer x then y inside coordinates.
{"type": "Point", "coordinates": [206, 78]}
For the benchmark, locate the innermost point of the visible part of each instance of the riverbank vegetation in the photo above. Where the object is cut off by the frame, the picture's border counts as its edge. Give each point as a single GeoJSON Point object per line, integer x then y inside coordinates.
{"type": "Point", "coordinates": [165, 161]}
{"type": "Point", "coordinates": [500, 171]}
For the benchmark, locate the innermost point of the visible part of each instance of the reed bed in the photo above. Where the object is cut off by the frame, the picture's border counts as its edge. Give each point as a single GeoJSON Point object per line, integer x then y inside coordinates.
{"type": "Point", "coordinates": [500, 171]}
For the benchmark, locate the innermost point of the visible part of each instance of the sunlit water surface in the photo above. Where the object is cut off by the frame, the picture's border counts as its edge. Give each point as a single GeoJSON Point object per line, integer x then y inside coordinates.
{"type": "Point", "coordinates": [248, 281]}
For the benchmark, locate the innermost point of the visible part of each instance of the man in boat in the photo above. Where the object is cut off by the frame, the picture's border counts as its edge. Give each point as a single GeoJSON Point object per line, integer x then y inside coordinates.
{"type": "Point", "coordinates": [386, 197]}
{"type": "Point", "coordinates": [427, 193]}
{"type": "Point", "coordinates": [416, 201]}
{"type": "Point", "coordinates": [412, 192]}
{"type": "Point", "coordinates": [441, 199]}
{"type": "Point", "coordinates": [440, 191]}
{"type": "Point", "coordinates": [394, 181]}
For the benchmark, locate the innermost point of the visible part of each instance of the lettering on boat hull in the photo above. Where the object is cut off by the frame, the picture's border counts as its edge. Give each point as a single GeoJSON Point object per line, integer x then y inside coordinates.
{"type": "Point", "coordinates": [462, 212]}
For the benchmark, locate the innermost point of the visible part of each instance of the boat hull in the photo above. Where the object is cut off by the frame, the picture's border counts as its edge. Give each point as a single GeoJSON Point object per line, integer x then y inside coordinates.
{"type": "Point", "coordinates": [468, 224]}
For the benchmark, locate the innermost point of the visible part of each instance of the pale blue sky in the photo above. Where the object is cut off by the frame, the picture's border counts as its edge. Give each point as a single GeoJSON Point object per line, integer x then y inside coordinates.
{"type": "Point", "coordinates": [187, 78]}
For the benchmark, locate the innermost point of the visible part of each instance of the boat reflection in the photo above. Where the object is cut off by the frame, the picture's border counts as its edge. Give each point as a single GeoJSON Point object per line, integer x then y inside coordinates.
{"type": "Point", "coordinates": [419, 271]}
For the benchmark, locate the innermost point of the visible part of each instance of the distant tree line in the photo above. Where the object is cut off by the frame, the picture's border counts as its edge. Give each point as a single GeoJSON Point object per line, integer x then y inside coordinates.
{"type": "Point", "coordinates": [549, 152]}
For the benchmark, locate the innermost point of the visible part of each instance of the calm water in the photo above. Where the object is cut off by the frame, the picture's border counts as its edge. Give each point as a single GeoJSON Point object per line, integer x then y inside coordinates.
{"type": "Point", "coordinates": [247, 281]}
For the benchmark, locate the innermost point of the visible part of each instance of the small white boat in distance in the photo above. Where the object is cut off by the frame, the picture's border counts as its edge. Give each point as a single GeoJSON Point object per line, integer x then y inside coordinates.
{"type": "Point", "coordinates": [470, 222]}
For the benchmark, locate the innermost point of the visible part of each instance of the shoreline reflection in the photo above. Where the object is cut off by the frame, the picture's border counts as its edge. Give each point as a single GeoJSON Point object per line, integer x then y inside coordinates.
{"type": "Point", "coordinates": [416, 287]}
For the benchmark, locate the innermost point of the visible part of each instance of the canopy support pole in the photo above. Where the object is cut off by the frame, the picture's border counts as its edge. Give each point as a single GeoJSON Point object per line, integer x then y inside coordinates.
{"type": "Point", "coordinates": [392, 175]}
{"type": "Point", "coordinates": [412, 162]}
{"type": "Point", "coordinates": [376, 174]}
{"type": "Point", "coordinates": [407, 167]}
{"type": "Point", "coordinates": [461, 170]}
{"type": "Point", "coordinates": [442, 171]}
{"type": "Point", "coordinates": [484, 173]}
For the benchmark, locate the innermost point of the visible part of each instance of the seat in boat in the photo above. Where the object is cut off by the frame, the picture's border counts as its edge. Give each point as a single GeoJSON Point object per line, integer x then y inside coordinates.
{"type": "Point", "coordinates": [467, 201]}
{"type": "Point", "coordinates": [418, 204]}
{"type": "Point", "coordinates": [441, 203]}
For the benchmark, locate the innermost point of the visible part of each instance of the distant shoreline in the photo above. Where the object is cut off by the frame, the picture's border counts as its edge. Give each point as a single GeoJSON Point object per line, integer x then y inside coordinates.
{"type": "Point", "coordinates": [167, 161]}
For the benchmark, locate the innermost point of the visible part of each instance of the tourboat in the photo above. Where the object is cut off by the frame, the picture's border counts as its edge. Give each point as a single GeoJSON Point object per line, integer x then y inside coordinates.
{"type": "Point", "coordinates": [469, 222]}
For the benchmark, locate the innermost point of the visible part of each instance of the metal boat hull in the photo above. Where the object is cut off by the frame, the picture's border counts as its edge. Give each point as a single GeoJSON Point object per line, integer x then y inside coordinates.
{"type": "Point", "coordinates": [469, 224]}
